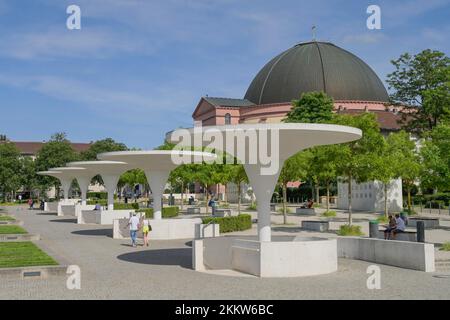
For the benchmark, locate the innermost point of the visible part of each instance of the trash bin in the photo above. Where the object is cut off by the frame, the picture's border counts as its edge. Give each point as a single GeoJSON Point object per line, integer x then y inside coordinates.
{"type": "Point", "coordinates": [373, 229]}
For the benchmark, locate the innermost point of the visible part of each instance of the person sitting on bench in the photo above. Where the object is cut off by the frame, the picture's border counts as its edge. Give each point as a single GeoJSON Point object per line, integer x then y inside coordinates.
{"type": "Point", "coordinates": [400, 226]}
{"type": "Point", "coordinates": [389, 228]}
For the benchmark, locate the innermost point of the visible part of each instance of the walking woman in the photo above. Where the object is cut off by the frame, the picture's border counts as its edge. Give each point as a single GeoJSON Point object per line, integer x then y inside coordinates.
{"type": "Point", "coordinates": [146, 228]}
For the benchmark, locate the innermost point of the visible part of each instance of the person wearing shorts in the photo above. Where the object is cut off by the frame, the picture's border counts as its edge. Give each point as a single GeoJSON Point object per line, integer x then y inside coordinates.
{"type": "Point", "coordinates": [400, 226]}
{"type": "Point", "coordinates": [145, 230]}
{"type": "Point", "coordinates": [389, 228]}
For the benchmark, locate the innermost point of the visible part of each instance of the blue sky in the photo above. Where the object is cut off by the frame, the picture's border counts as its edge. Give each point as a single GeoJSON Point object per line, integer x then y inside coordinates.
{"type": "Point", "coordinates": [138, 68]}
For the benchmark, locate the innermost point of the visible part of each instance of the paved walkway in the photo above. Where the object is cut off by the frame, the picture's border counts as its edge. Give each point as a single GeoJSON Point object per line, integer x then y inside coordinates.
{"type": "Point", "coordinates": [111, 269]}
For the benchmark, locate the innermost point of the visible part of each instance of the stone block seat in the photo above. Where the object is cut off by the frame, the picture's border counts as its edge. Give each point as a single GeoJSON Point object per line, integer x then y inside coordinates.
{"type": "Point", "coordinates": [222, 213]}
{"type": "Point", "coordinates": [430, 223]}
{"type": "Point", "coordinates": [320, 226]}
{"type": "Point", "coordinates": [305, 211]}
{"type": "Point", "coordinates": [407, 235]}
{"type": "Point", "coordinates": [193, 210]}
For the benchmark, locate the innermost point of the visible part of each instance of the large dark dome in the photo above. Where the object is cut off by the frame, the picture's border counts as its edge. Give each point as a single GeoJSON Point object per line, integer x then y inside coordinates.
{"type": "Point", "coordinates": [316, 66]}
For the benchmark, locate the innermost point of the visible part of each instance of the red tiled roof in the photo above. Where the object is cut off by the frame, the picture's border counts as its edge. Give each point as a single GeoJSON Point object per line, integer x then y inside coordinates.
{"type": "Point", "coordinates": [32, 148]}
{"type": "Point", "coordinates": [386, 119]}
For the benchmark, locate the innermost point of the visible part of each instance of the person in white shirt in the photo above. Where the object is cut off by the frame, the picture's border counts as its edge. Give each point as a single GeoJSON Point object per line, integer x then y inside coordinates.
{"type": "Point", "coordinates": [133, 223]}
{"type": "Point", "coordinates": [400, 226]}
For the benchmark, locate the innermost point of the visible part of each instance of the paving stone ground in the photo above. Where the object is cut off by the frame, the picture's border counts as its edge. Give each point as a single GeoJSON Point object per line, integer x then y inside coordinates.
{"type": "Point", "coordinates": [111, 269]}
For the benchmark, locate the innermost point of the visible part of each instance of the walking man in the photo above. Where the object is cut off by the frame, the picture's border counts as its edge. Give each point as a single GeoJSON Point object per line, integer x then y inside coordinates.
{"type": "Point", "coordinates": [133, 223]}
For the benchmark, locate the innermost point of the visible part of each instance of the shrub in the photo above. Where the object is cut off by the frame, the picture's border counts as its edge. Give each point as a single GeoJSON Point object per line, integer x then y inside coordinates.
{"type": "Point", "coordinates": [350, 230]}
{"type": "Point", "coordinates": [316, 205]}
{"type": "Point", "coordinates": [382, 219]}
{"type": "Point", "coordinates": [408, 212]}
{"type": "Point", "coordinates": [100, 202]}
{"type": "Point", "coordinates": [445, 246]}
{"type": "Point", "coordinates": [230, 224]}
{"type": "Point", "coordinates": [167, 212]}
{"type": "Point", "coordinates": [252, 206]}
{"type": "Point", "coordinates": [97, 195]}
{"type": "Point", "coordinates": [329, 213]}
{"type": "Point", "coordinates": [126, 206]}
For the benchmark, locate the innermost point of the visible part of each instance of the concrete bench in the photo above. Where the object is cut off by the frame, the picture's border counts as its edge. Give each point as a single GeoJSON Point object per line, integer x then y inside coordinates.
{"type": "Point", "coordinates": [320, 226]}
{"type": "Point", "coordinates": [407, 235]}
{"type": "Point", "coordinates": [193, 210]}
{"type": "Point", "coordinates": [430, 223]}
{"type": "Point", "coordinates": [305, 211]}
{"type": "Point", "coordinates": [222, 213]}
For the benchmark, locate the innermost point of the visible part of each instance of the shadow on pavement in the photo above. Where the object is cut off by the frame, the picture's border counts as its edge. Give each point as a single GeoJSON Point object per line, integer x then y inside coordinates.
{"type": "Point", "coordinates": [65, 220]}
{"type": "Point", "coordinates": [95, 232]}
{"type": "Point", "coordinates": [166, 257]}
{"type": "Point", "coordinates": [47, 213]}
{"type": "Point", "coordinates": [288, 229]}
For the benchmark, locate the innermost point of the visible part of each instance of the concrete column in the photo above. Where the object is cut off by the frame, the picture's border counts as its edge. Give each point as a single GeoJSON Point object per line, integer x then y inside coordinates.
{"type": "Point", "coordinates": [157, 181]}
{"type": "Point", "coordinates": [263, 186]}
{"type": "Point", "coordinates": [83, 182]}
{"type": "Point", "coordinates": [110, 185]}
{"type": "Point", "coordinates": [65, 184]}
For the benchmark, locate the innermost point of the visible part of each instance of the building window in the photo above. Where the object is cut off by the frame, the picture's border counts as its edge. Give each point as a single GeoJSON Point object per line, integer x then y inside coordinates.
{"type": "Point", "coordinates": [227, 118]}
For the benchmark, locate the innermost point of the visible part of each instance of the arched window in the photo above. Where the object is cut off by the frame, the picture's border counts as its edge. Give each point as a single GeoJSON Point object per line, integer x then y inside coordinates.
{"type": "Point", "coordinates": [227, 118]}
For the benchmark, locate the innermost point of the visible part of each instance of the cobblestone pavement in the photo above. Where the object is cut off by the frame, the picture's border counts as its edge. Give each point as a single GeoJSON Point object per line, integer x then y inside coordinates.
{"type": "Point", "coordinates": [111, 269]}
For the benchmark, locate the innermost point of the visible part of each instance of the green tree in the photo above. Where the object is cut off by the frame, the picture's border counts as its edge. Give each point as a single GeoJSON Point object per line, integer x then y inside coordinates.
{"type": "Point", "coordinates": [312, 107]}
{"type": "Point", "coordinates": [55, 153]}
{"type": "Point", "coordinates": [10, 178]}
{"type": "Point", "coordinates": [294, 168]}
{"type": "Point", "coordinates": [356, 160]}
{"type": "Point", "coordinates": [421, 84]}
{"type": "Point", "coordinates": [323, 166]}
{"type": "Point", "coordinates": [238, 176]}
{"type": "Point", "coordinates": [435, 153]}
{"type": "Point", "coordinates": [100, 146]}
{"type": "Point", "coordinates": [407, 162]}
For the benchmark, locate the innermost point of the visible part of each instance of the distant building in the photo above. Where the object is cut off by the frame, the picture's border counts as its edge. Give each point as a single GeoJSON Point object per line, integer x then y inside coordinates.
{"type": "Point", "coordinates": [307, 67]}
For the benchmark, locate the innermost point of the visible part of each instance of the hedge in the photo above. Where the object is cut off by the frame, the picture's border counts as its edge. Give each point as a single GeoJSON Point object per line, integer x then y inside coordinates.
{"type": "Point", "coordinates": [230, 224]}
{"type": "Point", "coordinates": [97, 195]}
{"type": "Point", "coordinates": [167, 212]}
{"type": "Point", "coordinates": [117, 205]}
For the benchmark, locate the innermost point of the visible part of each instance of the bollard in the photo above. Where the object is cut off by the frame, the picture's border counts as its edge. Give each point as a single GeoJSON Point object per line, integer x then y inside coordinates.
{"type": "Point", "coordinates": [420, 225]}
{"type": "Point", "coordinates": [373, 229]}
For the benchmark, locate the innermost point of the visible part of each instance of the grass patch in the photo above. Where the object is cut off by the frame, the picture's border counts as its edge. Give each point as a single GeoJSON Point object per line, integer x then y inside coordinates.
{"type": "Point", "coordinates": [445, 246]}
{"type": "Point", "coordinates": [382, 219]}
{"type": "Point", "coordinates": [23, 254]}
{"type": "Point", "coordinates": [329, 214]}
{"type": "Point", "coordinates": [6, 218]}
{"type": "Point", "coordinates": [12, 230]}
{"type": "Point", "coordinates": [288, 210]}
{"type": "Point", "coordinates": [347, 230]}
{"type": "Point", "coordinates": [252, 207]}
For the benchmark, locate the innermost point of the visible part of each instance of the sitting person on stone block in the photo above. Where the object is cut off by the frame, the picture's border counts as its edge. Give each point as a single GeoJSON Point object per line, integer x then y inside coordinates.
{"type": "Point", "coordinates": [400, 226]}
{"type": "Point", "coordinates": [389, 228]}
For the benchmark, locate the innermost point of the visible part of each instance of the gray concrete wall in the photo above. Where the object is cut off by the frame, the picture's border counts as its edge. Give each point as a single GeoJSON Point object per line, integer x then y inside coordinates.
{"type": "Point", "coordinates": [403, 254]}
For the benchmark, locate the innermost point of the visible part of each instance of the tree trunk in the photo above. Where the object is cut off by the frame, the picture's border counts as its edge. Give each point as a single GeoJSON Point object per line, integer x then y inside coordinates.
{"type": "Point", "coordinates": [317, 193]}
{"type": "Point", "coordinates": [328, 196]}
{"type": "Point", "coordinates": [182, 195]}
{"type": "Point", "coordinates": [206, 197]}
{"type": "Point", "coordinates": [225, 193]}
{"type": "Point", "coordinates": [385, 201]}
{"type": "Point", "coordinates": [239, 198]}
{"type": "Point", "coordinates": [284, 204]}
{"type": "Point", "coordinates": [312, 190]}
{"type": "Point", "coordinates": [350, 200]}
{"type": "Point", "coordinates": [409, 199]}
